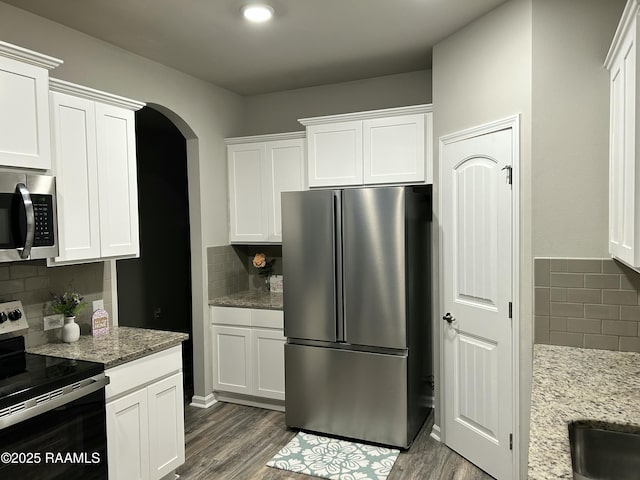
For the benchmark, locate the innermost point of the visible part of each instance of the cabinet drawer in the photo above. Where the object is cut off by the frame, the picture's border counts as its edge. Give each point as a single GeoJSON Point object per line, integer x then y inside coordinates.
{"type": "Point", "coordinates": [267, 318]}
{"type": "Point", "coordinates": [231, 316]}
{"type": "Point", "coordinates": [141, 372]}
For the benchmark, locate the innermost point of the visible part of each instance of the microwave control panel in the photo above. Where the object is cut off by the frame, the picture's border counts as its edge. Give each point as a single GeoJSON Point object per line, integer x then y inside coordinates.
{"type": "Point", "coordinates": [43, 212]}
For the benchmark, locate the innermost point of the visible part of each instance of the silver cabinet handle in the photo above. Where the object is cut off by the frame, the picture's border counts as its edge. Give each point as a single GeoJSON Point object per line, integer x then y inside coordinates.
{"type": "Point", "coordinates": [31, 220]}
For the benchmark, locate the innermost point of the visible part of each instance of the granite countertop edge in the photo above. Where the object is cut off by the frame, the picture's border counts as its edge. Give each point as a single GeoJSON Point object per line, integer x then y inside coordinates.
{"type": "Point", "coordinates": [569, 384]}
{"type": "Point", "coordinates": [250, 299]}
{"type": "Point", "coordinates": [119, 346]}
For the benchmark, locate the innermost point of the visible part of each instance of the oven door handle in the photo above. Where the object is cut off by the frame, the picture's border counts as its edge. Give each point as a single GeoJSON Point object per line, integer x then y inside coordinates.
{"type": "Point", "coordinates": [31, 219]}
{"type": "Point", "coordinates": [50, 401]}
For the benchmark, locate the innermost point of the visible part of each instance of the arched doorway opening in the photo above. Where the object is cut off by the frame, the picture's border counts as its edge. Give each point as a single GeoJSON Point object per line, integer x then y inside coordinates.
{"type": "Point", "coordinates": [155, 290]}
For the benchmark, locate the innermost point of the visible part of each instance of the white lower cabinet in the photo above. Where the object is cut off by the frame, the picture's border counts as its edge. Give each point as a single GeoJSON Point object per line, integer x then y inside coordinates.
{"type": "Point", "coordinates": [145, 417]}
{"type": "Point", "coordinates": [268, 363]}
{"type": "Point", "coordinates": [248, 352]}
{"type": "Point", "coordinates": [232, 359]}
{"type": "Point", "coordinates": [128, 436]}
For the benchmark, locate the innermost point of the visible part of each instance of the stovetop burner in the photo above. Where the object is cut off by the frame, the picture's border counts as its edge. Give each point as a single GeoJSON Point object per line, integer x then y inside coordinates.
{"type": "Point", "coordinates": [26, 375]}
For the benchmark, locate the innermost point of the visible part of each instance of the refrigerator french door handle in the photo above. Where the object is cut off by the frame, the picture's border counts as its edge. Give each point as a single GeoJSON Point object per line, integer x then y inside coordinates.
{"type": "Point", "coordinates": [21, 188]}
{"type": "Point", "coordinates": [337, 261]}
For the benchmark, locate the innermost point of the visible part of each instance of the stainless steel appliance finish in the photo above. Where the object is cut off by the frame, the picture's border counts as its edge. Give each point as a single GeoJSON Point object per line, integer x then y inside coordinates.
{"type": "Point", "coordinates": [49, 408]}
{"type": "Point", "coordinates": [28, 217]}
{"type": "Point", "coordinates": [365, 398]}
{"type": "Point", "coordinates": [312, 250]}
{"type": "Point", "coordinates": [374, 266]}
{"type": "Point", "coordinates": [357, 299]}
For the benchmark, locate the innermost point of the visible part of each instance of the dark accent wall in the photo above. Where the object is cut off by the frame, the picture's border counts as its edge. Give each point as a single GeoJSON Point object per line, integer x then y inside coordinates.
{"type": "Point", "coordinates": [154, 291]}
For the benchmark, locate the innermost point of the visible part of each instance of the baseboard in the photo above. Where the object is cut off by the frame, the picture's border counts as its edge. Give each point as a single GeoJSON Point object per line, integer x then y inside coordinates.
{"type": "Point", "coordinates": [251, 401]}
{"type": "Point", "coordinates": [203, 402]}
{"type": "Point", "coordinates": [435, 433]}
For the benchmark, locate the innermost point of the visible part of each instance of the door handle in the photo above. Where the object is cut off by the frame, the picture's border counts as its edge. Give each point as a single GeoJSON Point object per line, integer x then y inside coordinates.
{"type": "Point", "coordinates": [31, 222]}
{"type": "Point", "coordinates": [449, 318]}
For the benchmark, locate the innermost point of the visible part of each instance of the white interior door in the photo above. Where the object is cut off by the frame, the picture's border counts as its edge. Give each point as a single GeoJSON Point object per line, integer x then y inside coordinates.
{"type": "Point", "coordinates": [476, 222]}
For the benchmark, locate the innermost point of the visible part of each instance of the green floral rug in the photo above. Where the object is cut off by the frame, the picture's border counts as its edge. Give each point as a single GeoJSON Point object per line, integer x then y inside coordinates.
{"type": "Point", "coordinates": [334, 459]}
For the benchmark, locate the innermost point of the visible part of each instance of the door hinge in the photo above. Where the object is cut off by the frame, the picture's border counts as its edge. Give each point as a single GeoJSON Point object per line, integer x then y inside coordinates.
{"type": "Point", "coordinates": [511, 441]}
{"type": "Point", "coordinates": [510, 310]}
{"type": "Point", "coordinates": [509, 170]}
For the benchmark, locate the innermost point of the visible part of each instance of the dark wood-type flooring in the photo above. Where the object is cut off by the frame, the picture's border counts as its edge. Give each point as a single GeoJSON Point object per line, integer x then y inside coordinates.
{"type": "Point", "coordinates": [230, 441]}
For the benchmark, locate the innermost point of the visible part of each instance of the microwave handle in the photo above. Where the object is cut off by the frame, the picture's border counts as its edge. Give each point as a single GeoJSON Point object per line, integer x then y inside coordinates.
{"type": "Point", "coordinates": [31, 220]}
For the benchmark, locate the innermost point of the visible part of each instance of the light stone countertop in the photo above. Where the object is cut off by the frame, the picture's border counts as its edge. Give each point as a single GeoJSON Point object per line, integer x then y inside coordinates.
{"type": "Point", "coordinates": [250, 299]}
{"type": "Point", "coordinates": [120, 345]}
{"type": "Point", "coordinates": [577, 384]}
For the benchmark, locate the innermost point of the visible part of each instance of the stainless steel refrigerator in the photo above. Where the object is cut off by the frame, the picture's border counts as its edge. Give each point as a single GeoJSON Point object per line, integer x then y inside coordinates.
{"type": "Point", "coordinates": [357, 311]}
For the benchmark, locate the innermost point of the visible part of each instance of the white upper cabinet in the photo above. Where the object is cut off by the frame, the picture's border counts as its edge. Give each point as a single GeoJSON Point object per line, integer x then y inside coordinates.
{"type": "Point", "coordinates": [24, 107]}
{"type": "Point", "coordinates": [624, 160]}
{"type": "Point", "coordinates": [260, 169]}
{"type": "Point", "coordinates": [117, 180]}
{"type": "Point", "coordinates": [377, 147]}
{"type": "Point", "coordinates": [76, 167]}
{"type": "Point", "coordinates": [335, 154]}
{"type": "Point", "coordinates": [95, 168]}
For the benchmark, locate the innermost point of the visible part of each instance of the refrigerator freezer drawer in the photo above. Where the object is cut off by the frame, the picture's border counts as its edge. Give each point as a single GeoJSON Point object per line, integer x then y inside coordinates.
{"type": "Point", "coordinates": [347, 393]}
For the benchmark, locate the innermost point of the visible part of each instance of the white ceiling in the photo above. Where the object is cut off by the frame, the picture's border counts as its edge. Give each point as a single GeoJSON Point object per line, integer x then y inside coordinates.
{"type": "Point", "coordinates": [308, 43]}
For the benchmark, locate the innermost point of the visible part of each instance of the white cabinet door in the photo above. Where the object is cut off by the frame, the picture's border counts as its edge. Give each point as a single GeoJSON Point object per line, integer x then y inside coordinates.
{"type": "Point", "coordinates": [394, 149]}
{"type": "Point", "coordinates": [232, 359]}
{"type": "Point", "coordinates": [268, 367]}
{"type": "Point", "coordinates": [335, 154]}
{"type": "Point", "coordinates": [117, 178]}
{"type": "Point", "coordinates": [76, 170]}
{"type": "Point", "coordinates": [624, 151]}
{"type": "Point", "coordinates": [623, 210]}
{"type": "Point", "coordinates": [166, 426]}
{"type": "Point", "coordinates": [128, 437]}
{"type": "Point", "coordinates": [285, 168]}
{"type": "Point", "coordinates": [24, 118]}
{"type": "Point", "coordinates": [248, 209]}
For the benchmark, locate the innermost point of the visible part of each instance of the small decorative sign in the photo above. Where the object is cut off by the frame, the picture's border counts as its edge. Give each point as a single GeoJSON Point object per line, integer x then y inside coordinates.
{"type": "Point", "coordinates": [99, 322]}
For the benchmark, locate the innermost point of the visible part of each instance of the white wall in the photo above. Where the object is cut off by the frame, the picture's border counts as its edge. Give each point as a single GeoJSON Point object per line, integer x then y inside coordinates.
{"type": "Point", "coordinates": [279, 112]}
{"type": "Point", "coordinates": [482, 73]}
{"type": "Point", "coordinates": [571, 126]}
{"type": "Point", "coordinates": [205, 113]}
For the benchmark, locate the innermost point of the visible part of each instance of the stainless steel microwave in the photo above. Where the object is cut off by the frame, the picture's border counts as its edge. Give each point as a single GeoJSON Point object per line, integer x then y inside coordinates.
{"type": "Point", "coordinates": [28, 225]}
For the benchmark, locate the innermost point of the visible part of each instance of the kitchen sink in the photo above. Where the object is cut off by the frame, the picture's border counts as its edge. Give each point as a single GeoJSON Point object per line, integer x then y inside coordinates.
{"type": "Point", "coordinates": [604, 451]}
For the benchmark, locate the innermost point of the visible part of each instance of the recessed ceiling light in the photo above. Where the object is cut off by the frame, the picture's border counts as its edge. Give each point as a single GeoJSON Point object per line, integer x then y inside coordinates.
{"type": "Point", "coordinates": [257, 12]}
